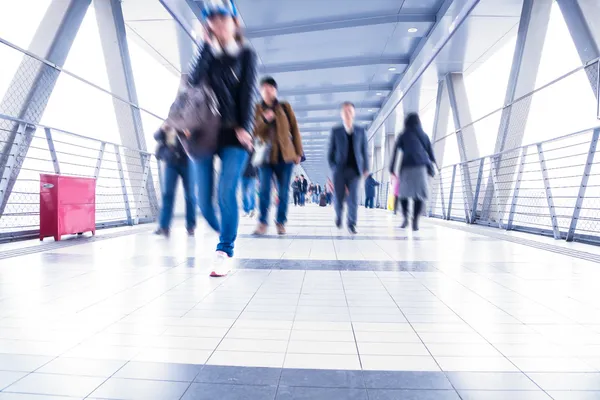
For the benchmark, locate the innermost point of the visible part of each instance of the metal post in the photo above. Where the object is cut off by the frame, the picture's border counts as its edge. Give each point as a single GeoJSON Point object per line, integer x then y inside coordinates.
{"type": "Point", "coordinates": [551, 208]}
{"type": "Point", "coordinates": [52, 151]}
{"type": "Point", "coordinates": [123, 185]}
{"type": "Point", "coordinates": [598, 90]}
{"type": "Point", "coordinates": [477, 190]}
{"type": "Point", "coordinates": [160, 177]}
{"type": "Point", "coordinates": [444, 215]}
{"type": "Point", "coordinates": [146, 160]}
{"type": "Point", "coordinates": [494, 172]}
{"type": "Point", "coordinates": [584, 182]}
{"type": "Point", "coordinates": [11, 162]}
{"type": "Point", "coordinates": [99, 160]}
{"type": "Point", "coordinates": [449, 214]}
{"type": "Point", "coordinates": [515, 196]}
{"type": "Point", "coordinates": [467, 197]}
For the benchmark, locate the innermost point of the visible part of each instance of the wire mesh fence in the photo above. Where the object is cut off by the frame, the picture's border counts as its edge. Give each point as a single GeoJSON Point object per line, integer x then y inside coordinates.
{"type": "Point", "coordinates": [123, 195]}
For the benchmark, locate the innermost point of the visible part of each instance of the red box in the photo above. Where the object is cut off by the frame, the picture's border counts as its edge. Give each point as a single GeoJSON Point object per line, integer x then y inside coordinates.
{"type": "Point", "coordinates": [67, 205]}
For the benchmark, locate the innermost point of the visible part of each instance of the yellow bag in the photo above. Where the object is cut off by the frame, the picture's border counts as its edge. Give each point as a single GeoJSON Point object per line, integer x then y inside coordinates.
{"type": "Point", "coordinates": [390, 202]}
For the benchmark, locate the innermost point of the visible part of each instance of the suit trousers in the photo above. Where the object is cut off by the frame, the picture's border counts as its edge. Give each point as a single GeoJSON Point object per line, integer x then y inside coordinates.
{"type": "Point", "coordinates": [346, 178]}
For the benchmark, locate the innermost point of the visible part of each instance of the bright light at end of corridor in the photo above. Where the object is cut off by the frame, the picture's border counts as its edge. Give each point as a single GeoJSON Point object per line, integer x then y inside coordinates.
{"type": "Point", "coordinates": [412, 30]}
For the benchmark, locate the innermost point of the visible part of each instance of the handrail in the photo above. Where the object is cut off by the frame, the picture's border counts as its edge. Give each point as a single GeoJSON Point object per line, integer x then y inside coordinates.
{"type": "Point", "coordinates": [28, 123]}
{"type": "Point", "coordinates": [524, 146]}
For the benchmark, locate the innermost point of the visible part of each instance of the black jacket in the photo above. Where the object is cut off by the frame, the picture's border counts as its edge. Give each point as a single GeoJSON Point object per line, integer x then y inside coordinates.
{"type": "Point", "coordinates": [304, 186]}
{"type": "Point", "coordinates": [415, 145]}
{"type": "Point", "coordinates": [171, 155]}
{"type": "Point", "coordinates": [233, 79]}
{"type": "Point", "coordinates": [370, 184]}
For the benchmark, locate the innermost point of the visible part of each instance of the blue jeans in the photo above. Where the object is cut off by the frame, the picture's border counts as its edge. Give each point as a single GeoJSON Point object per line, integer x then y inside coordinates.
{"type": "Point", "coordinates": [233, 161]}
{"type": "Point", "coordinates": [370, 202]}
{"type": "Point", "coordinates": [283, 175]}
{"type": "Point", "coordinates": [249, 194]}
{"type": "Point", "coordinates": [170, 174]}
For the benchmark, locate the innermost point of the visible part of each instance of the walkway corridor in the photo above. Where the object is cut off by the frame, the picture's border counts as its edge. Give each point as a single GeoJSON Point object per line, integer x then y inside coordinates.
{"type": "Point", "coordinates": [441, 314]}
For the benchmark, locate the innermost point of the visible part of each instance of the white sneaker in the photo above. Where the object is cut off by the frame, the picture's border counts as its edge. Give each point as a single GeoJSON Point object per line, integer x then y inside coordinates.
{"type": "Point", "coordinates": [245, 214]}
{"type": "Point", "coordinates": [221, 265]}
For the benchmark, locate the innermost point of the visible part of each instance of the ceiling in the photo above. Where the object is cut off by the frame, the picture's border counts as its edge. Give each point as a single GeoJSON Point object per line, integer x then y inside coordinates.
{"type": "Point", "coordinates": [325, 52]}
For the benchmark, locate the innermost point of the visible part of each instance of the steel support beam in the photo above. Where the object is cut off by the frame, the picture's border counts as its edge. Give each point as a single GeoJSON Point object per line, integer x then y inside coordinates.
{"type": "Point", "coordinates": [318, 25]}
{"type": "Point", "coordinates": [582, 19]}
{"type": "Point", "coordinates": [517, 188]}
{"type": "Point", "coordinates": [328, 89]}
{"type": "Point", "coordinates": [587, 169]}
{"type": "Point", "coordinates": [327, 107]}
{"type": "Point", "coordinates": [117, 151]}
{"type": "Point", "coordinates": [333, 119]}
{"type": "Point", "coordinates": [533, 26]}
{"type": "Point", "coordinates": [549, 198]}
{"type": "Point", "coordinates": [52, 150]}
{"type": "Point", "coordinates": [410, 103]}
{"type": "Point", "coordinates": [465, 133]}
{"type": "Point", "coordinates": [28, 94]}
{"type": "Point", "coordinates": [111, 25]}
{"type": "Point", "coordinates": [440, 129]}
{"type": "Point", "coordinates": [334, 63]}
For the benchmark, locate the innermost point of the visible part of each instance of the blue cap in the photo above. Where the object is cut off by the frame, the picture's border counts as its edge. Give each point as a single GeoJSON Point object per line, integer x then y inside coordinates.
{"type": "Point", "coordinates": [220, 7]}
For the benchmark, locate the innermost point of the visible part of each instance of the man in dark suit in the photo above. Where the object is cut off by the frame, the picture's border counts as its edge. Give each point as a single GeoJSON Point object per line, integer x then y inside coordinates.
{"type": "Point", "coordinates": [349, 160]}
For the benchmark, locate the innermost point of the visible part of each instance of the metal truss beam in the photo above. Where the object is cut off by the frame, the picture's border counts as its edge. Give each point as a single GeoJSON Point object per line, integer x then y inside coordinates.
{"type": "Point", "coordinates": [583, 21]}
{"type": "Point", "coordinates": [327, 107]}
{"type": "Point", "coordinates": [533, 26]}
{"type": "Point", "coordinates": [318, 25]}
{"type": "Point", "coordinates": [335, 63]}
{"type": "Point", "coordinates": [440, 129]}
{"type": "Point", "coordinates": [329, 89]}
{"type": "Point", "coordinates": [113, 36]}
{"type": "Point", "coordinates": [333, 118]}
{"type": "Point", "coordinates": [29, 91]}
{"type": "Point", "coordinates": [465, 134]}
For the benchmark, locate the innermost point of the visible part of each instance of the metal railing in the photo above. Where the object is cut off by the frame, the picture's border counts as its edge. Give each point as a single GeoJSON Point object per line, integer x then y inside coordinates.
{"type": "Point", "coordinates": [123, 176]}
{"type": "Point", "coordinates": [554, 191]}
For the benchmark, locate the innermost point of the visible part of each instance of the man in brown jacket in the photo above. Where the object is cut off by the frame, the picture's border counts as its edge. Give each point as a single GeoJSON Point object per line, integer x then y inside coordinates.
{"type": "Point", "coordinates": [276, 124]}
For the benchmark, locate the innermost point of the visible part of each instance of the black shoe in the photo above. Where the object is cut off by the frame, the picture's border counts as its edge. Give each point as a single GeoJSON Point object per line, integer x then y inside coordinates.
{"type": "Point", "coordinates": [404, 224]}
{"type": "Point", "coordinates": [191, 232]}
{"type": "Point", "coordinates": [415, 226]}
{"type": "Point", "coordinates": [162, 232]}
{"type": "Point", "coordinates": [352, 229]}
{"type": "Point", "coordinates": [338, 223]}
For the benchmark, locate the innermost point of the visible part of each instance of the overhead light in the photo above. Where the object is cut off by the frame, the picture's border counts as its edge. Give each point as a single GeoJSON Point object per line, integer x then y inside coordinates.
{"type": "Point", "coordinates": [370, 110]}
{"type": "Point", "coordinates": [379, 94]}
{"type": "Point", "coordinates": [412, 30]}
{"type": "Point", "coordinates": [391, 68]}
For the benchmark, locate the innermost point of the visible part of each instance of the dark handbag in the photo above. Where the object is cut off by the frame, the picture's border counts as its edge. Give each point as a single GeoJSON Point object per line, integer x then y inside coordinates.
{"type": "Point", "coordinates": [196, 110]}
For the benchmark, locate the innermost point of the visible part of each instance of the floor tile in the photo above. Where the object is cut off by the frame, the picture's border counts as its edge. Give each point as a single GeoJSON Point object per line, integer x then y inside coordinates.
{"type": "Point", "coordinates": [57, 385]}
{"type": "Point", "coordinates": [476, 364]}
{"type": "Point", "coordinates": [239, 375]}
{"type": "Point", "coordinates": [211, 391]}
{"type": "Point", "coordinates": [7, 378]}
{"type": "Point", "coordinates": [159, 371]}
{"type": "Point", "coordinates": [575, 395]}
{"type": "Point", "coordinates": [491, 381]}
{"type": "Point", "coordinates": [322, 378]}
{"type": "Point", "coordinates": [19, 362]}
{"type": "Point", "coordinates": [406, 380]}
{"type": "Point", "coordinates": [322, 361]}
{"type": "Point", "coordinates": [246, 359]}
{"type": "Point", "coordinates": [307, 393]}
{"type": "Point", "coordinates": [379, 394]}
{"type": "Point", "coordinates": [567, 381]}
{"type": "Point", "coordinates": [82, 367]}
{"type": "Point", "coordinates": [133, 389]}
{"type": "Point", "coordinates": [503, 395]}
{"type": "Point", "coordinates": [399, 363]}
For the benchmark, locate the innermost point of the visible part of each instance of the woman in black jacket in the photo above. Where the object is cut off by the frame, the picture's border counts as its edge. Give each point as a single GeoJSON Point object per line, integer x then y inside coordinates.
{"type": "Point", "coordinates": [417, 159]}
{"type": "Point", "coordinates": [229, 67]}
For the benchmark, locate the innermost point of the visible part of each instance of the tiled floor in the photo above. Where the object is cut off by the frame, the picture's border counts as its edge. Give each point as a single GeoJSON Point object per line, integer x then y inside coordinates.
{"type": "Point", "coordinates": [441, 314]}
